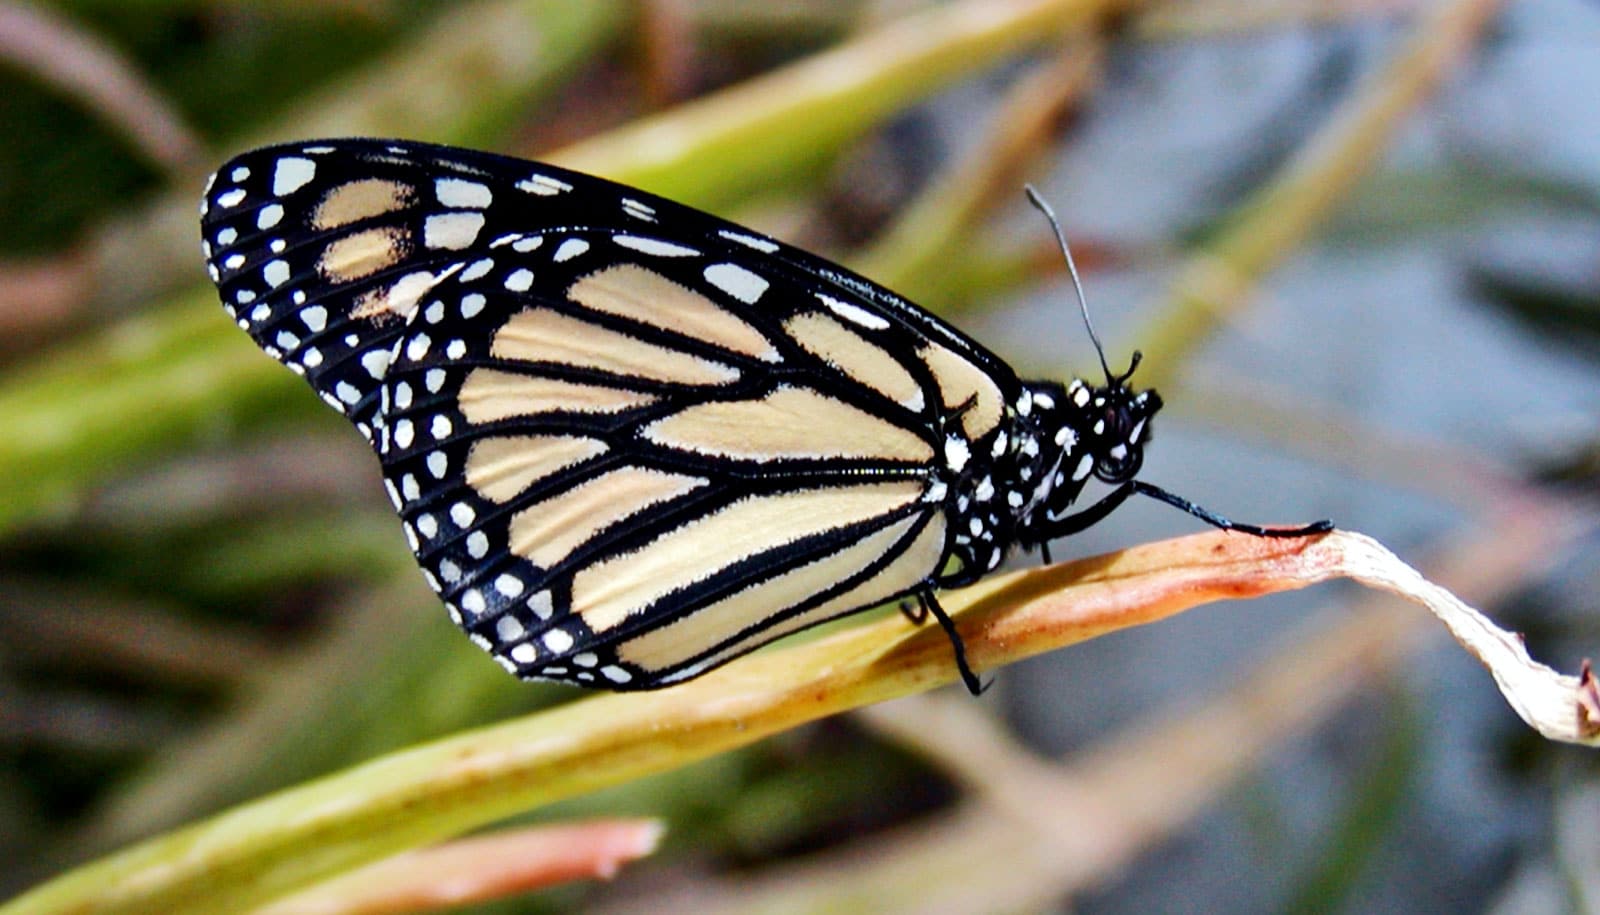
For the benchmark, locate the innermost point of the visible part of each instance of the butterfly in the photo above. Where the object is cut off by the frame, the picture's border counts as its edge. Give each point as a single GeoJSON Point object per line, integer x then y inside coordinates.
{"type": "Point", "coordinates": [630, 441]}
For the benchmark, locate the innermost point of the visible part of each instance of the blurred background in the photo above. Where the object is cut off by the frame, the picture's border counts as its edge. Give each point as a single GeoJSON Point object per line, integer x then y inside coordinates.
{"type": "Point", "coordinates": [1358, 242]}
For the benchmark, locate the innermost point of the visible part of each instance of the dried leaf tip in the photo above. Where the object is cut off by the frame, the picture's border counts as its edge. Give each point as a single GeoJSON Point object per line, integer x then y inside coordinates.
{"type": "Point", "coordinates": [1588, 704]}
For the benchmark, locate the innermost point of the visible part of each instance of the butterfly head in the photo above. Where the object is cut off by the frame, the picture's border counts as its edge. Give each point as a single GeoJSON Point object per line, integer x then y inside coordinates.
{"type": "Point", "coordinates": [1070, 433]}
{"type": "Point", "coordinates": [1117, 420]}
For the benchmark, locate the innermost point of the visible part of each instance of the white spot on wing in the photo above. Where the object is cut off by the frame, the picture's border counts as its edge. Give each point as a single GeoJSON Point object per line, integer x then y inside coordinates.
{"type": "Point", "coordinates": [653, 246]}
{"type": "Point", "coordinates": [638, 210]}
{"type": "Point", "coordinates": [291, 174]}
{"type": "Point", "coordinates": [736, 281]}
{"type": "Point", "coordinates": [404, 294]}
{"type": "Point", "coordinates": [855, 314]}
{"type": "Point", "coordinates": [376, 362]}
{"type": "Point", "coordinates": [750, 241]}
{"type": "Point", "coordinates": [543, 185]}
{"type": "Point", "coordinates": [276, 273]}
{"type": "Point", "coordinates": [417, 347]}
{"type": "Point", "coordinates": [541, 605]}
{"type": "Point", "coordinates": [458, 192]}
{"type": "Point", "coordinates": [558, 640]}
{"type": "Point", "coordinates": [569, 249]}
{"type": "Point", "coordinates": [451, 231]}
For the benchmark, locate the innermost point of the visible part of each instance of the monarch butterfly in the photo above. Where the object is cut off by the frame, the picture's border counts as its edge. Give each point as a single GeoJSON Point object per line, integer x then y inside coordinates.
{"type": "Point", "coordinates": [630, 441]}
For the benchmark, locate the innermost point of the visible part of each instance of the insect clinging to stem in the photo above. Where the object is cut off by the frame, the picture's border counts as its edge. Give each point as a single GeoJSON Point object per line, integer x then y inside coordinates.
{"type": "Point", "coordinates": [630, 441]}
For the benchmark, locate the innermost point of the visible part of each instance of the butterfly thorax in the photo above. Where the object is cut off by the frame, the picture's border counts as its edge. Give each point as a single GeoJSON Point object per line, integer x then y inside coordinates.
{"type": "Point", "coordinates": [1054, 438]}
{"type": "Point", "coordinates": [1064, 435]}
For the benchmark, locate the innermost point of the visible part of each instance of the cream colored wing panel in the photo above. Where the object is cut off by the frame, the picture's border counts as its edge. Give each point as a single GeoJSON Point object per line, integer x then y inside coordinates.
{"type": "Point", "coordinates": [609, 592]}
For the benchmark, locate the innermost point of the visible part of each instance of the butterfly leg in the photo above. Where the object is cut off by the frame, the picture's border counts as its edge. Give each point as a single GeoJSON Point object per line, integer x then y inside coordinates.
{"type": "Point", "coordinates": [914, 610]}
{"type": "Point", "coordinates": [1072, 524]}
{"type": "Point", "coordinates": [1094, 514]}
{"type": "Point", "coordinates": [1216, 520]}
{"type": "Point", "coordinates": [931, 604]}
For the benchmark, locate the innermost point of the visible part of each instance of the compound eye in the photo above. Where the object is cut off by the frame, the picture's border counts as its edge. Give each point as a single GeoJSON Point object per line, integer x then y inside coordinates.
{"type": "Point", "coordinates": [1119, 465]}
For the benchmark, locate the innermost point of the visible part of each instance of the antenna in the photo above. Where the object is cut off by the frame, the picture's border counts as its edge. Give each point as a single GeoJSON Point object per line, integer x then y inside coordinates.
{"type": "Point", "coordinates": [1077, 286]}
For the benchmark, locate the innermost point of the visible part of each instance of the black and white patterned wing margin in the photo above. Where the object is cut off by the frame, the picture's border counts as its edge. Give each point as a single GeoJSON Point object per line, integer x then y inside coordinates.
{"type": "Point", "coordinates": [629, 441]}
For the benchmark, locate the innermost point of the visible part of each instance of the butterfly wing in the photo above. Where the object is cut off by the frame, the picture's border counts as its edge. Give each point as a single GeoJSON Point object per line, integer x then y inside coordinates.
{"type": "Point", "coordinates": [629, 441]}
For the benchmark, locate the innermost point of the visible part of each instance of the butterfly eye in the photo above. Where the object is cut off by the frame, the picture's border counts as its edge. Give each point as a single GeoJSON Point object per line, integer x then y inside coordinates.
{"type": "Point", "coordinates": [1119, 464]}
